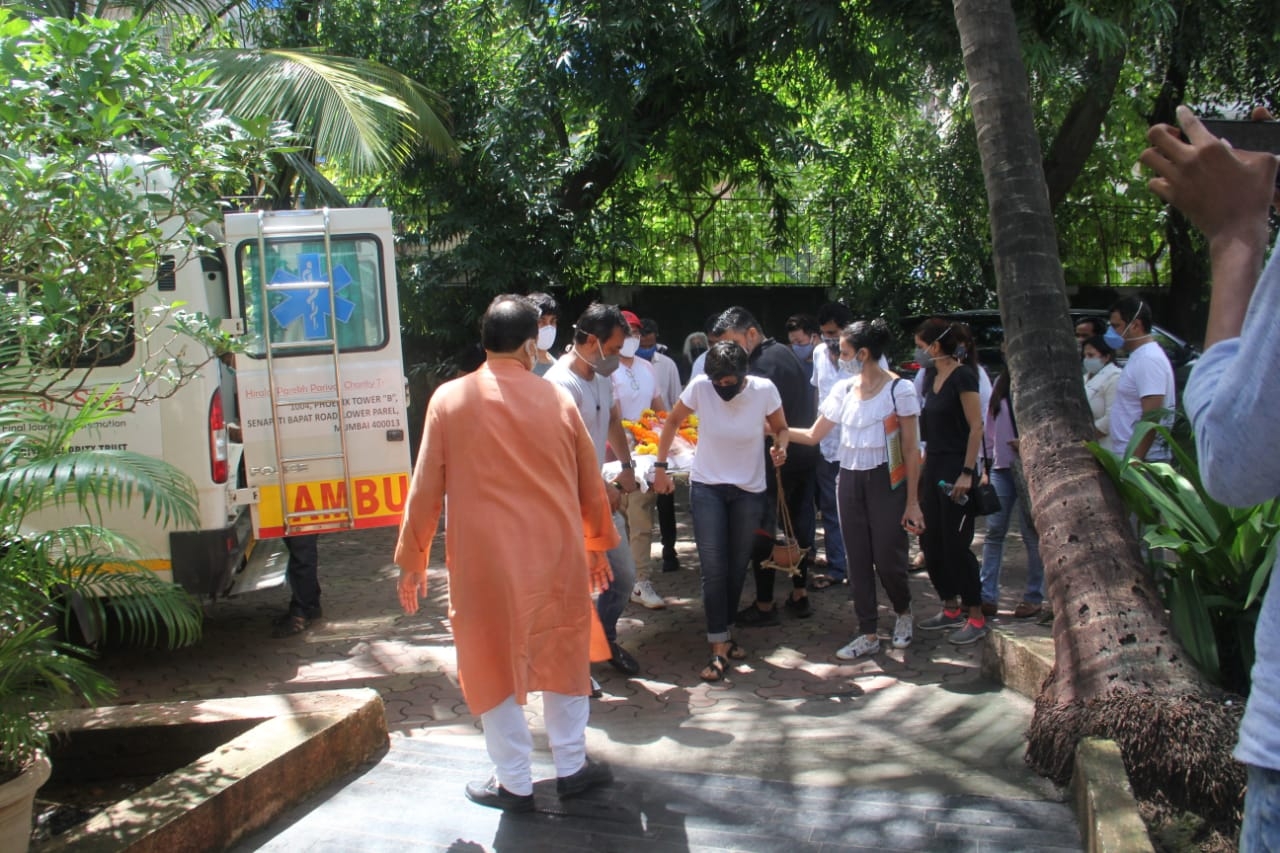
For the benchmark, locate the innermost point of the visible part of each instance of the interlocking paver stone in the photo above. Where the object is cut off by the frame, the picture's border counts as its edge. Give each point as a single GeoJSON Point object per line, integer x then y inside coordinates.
{"type": "Point", "coordinates": [909, 749]}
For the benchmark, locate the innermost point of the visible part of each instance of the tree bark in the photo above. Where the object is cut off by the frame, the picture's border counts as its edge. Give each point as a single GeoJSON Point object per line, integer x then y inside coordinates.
{"type": "Point", "coordinates": [1116, 662]}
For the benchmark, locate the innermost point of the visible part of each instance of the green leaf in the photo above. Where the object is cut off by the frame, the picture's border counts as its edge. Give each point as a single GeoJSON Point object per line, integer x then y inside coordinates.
{"type": "Point", "coordinates": [1192, 624]}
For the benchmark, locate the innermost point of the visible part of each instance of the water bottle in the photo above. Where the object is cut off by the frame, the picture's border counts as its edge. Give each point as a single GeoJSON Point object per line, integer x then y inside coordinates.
{"type": "Point", "coordinates": [947, 488]}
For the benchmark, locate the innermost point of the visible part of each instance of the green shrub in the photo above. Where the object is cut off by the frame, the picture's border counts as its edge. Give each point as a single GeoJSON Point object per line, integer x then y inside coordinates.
{"type": "Point", "coordinates": [1212, 562]}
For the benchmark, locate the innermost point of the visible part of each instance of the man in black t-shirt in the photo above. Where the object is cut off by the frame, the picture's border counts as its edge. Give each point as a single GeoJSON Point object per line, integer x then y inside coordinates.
{"type": "Point", "coordinates": [777, 363]}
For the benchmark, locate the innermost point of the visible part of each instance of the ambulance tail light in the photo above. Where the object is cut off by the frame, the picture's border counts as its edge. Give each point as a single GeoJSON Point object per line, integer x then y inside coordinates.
{"type": "Point", "coordinates": [218, 448]}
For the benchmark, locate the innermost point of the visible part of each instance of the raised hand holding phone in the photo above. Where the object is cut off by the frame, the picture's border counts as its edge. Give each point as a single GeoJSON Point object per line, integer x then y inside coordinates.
{"type": "Point", "coordinates": [1226, 193]}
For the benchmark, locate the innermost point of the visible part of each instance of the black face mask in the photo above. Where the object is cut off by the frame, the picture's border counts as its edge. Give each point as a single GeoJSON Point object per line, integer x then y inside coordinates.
{"type": "Point", "coordinates": [728, 392]}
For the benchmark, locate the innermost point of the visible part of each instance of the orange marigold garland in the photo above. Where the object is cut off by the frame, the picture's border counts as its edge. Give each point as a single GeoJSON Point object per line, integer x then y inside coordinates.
{"type": "Point", "coordinates": [647, 430]}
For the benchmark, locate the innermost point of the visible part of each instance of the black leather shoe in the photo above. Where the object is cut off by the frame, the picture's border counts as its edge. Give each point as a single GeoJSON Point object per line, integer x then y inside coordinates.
{"type": "Point", "coordinates": [592, 774]}
{"type": "Point", "coordinates": [495, 796]}
{"type": "Point", "coordinates": [670, 562]}
{"type": "Point", "coordinates": [622, 660]}
{"type": "Point", "coordinates": [753, 617]}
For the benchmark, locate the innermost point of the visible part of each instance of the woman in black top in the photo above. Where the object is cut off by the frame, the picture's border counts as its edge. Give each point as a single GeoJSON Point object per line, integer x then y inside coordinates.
{"type": "Point", "coordinates": [951, 427]}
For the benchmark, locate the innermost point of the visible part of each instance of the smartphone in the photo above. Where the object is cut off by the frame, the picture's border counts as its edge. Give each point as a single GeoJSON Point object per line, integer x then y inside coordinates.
{"type": "Point", "coordinates": [1247, 135]}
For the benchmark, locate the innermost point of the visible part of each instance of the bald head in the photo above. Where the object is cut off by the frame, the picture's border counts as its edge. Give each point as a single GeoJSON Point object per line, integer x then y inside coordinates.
{"type": "Point", "coordinates": [510, 321]}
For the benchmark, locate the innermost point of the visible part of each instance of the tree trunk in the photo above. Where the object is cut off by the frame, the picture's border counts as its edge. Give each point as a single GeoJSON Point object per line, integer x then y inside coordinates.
{"type": "Point", "coordinates": [1118, 671]}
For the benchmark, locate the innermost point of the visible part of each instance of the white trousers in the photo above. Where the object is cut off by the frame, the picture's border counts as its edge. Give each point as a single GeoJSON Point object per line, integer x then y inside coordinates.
{"type": "Point", "coordinates": [510, 744]}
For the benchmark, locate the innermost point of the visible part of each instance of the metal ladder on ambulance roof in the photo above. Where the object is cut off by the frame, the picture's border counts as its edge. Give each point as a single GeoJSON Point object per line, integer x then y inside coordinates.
{"type": "Point", "coordinates": [289, 466]}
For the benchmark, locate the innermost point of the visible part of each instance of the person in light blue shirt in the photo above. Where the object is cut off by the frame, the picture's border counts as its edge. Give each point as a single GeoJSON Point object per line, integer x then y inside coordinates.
{"type": "Point", "coordinates": [1226, 194]}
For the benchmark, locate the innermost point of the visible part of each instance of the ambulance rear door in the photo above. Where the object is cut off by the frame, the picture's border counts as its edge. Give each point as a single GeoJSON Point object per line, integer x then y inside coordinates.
{"type": "Point", "coordinates": [320, 384]}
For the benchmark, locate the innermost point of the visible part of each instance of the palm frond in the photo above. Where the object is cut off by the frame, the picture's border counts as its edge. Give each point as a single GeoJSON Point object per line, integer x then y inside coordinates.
{"type": "Point", "coordinates": [320, 190]}
{"type": "Point", "coordinates": [98, 480]}
{"type": "Point", "coordinates": [147, 609]}
{"type": "Point", "coordinates": [358, 113]}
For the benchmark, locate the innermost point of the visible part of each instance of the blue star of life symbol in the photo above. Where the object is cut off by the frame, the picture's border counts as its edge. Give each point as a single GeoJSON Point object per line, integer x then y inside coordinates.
{"type": "Point", "coordinates": [312, 305]}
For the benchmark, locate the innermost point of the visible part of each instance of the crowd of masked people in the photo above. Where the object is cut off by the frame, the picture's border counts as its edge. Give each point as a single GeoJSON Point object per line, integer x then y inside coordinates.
{"type": "Point", "coordinates": [816, 425]}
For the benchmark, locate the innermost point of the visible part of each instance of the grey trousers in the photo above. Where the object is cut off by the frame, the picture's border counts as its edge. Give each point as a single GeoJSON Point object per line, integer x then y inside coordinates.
{"type": "Point", "coordinates": [874, 541]}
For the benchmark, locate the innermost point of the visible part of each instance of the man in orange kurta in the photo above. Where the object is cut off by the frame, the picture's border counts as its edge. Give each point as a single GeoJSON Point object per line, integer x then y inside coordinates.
{"type": "Point", "coordinates": [525, 540]}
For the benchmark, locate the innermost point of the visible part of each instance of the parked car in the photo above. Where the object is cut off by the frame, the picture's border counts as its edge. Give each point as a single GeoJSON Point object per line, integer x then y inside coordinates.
{"type": "Point", "coordinates": [988, 333]}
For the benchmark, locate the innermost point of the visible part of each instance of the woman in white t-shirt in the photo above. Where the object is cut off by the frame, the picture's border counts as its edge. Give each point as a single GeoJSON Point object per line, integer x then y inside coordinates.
{"type": "Point", "coordinates": [878, 503]}
{"type": "Point", "coordinates": [727, 482]}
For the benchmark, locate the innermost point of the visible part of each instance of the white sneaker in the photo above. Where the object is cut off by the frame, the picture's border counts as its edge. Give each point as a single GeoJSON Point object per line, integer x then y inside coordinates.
{"type": "Point", "coordinates": [902, 630]}
{"type": "Point", "coordinates": [643, 593]}
{"type": "Point", "coordinates": [858, 647]}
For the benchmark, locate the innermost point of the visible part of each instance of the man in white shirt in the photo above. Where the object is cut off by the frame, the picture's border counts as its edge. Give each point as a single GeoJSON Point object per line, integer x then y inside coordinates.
{"type": "Point", "coordinates": [667, 373]}
{"type": "Point", "coordinates": [832, 318]}
{"type": "Point", "coordinates": [635, 387]}
{"type": "Point", "coordinates": [1145, 385]}
{"type": "Point", "coordinates": [665, 369]}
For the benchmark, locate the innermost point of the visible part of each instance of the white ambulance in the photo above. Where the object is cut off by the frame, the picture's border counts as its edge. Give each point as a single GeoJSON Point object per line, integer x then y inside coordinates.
{"type": "Point", "coordinates": [318, 393]}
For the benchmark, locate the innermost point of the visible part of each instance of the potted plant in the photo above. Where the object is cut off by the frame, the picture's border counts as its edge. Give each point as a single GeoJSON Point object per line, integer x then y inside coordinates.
{"type": "Point", "coordinates": [57, 582]}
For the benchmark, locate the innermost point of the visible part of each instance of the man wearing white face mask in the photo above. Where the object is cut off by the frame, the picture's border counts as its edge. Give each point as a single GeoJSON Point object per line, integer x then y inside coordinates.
{"type": "Point", "coordinates": [1146, 383]}
{"type": "Point", "coordinates": [548, 317]}
{"type": "Point", "coordinates": [635, 387]}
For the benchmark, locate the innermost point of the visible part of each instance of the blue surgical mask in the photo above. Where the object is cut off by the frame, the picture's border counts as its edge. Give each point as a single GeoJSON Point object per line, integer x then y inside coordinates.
{"type": "Point", "coordinates": [1115, 339]}
{"type": "Point", "coordinates": [647, 352]}
{"type": "Point", "coordinates": [802, 351]}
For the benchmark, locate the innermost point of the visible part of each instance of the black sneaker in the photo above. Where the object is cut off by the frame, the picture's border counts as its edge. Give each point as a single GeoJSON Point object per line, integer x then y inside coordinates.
{"type": "Point", "coordinates": [670, 562]}
{"type": "Point", "coordinates": [753, 617]}
{"type": "Point", "coordinates": [800, 607]}
{"type": "Point", "coordinates": [592, 774]}
{"type": "Point", "coordinates": [495, 796]}
{"type": "Point", "coordinates": [622, 660]}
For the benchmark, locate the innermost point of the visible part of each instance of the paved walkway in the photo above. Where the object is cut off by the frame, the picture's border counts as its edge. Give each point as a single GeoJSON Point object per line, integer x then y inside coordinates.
{"type": "Point", "coordinates": [796, 750]}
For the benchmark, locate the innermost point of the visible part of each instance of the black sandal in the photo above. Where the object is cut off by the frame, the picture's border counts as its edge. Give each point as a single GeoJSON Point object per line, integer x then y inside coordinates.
{"type": "Point", "coordinates": [736, 652]}
{"type": "Point", "coordinates": [717, 666]}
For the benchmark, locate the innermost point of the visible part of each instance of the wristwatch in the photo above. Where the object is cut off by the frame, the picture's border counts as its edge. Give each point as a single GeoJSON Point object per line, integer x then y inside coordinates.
{"type": "Point", "coordinates": [967, 470]}
{"type": "Point", "coordinates": [662, 465]}
{"type": "Point", "coordinates": [627, 466]}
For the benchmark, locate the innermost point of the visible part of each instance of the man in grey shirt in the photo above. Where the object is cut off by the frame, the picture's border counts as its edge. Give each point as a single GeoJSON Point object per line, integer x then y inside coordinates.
{"type": "Point", "coordinates": [584, 372]}
{"type": "Point", "coordinates": [1226, 194]}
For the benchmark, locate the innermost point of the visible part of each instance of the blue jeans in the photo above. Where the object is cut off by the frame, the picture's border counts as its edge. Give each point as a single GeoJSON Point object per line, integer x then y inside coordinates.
{"type": "Point", "coordinates": [831, 535]}
{"type": "Point", "coordinates": [609, 604]}
{"type": "Point", "coordinates": [993, 545]}
{"type": "Point", "coordinates": [1260, 832]}
{"type": "Point", "coordinates": [724, 526]}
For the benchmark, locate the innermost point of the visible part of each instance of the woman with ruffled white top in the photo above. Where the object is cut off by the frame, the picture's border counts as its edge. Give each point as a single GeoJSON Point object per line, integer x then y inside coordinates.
{"type": "Point", "coordinates": [875, 512]}
{"type": "Point", "coordinates": [1101, 373]}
